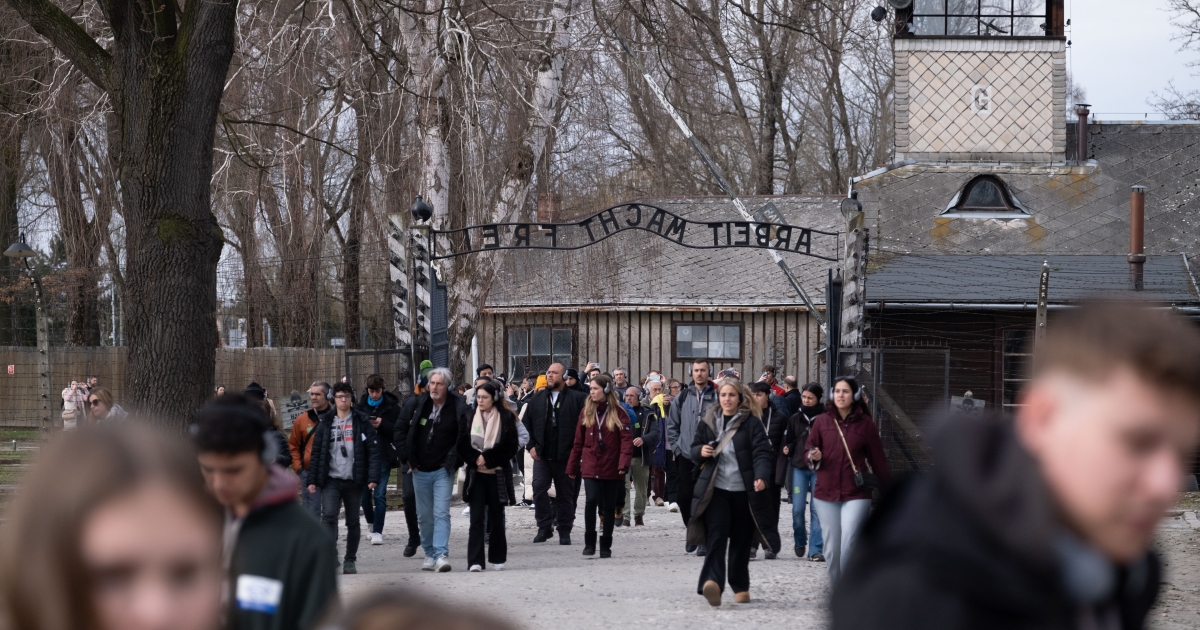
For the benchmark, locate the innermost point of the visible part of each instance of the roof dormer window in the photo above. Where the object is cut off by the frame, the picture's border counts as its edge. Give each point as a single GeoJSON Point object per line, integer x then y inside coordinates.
{"type": "Point", "coordinates": [979, 18]}
{"type": "Point", "coordinates": [985, 197]}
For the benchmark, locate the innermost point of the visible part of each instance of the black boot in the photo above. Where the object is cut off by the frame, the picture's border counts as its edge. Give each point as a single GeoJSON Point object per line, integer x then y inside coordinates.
{"type": "Point", "coordinates": [606, 546]}
{"type": "Point", "coordinates": [564, 537]}
{"type": "Point", "coordinates": [589, 543]}
{"type": "Point", "coordinates": [544, 534]}
{"type": "Point", "coordinates": [410, 548]}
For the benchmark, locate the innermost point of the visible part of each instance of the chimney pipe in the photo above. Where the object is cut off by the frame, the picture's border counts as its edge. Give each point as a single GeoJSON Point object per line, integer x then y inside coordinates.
{"type": "Point", "coordinates": [1081, 132]}
{"type": "Point", "coordinates": [1137, 237]}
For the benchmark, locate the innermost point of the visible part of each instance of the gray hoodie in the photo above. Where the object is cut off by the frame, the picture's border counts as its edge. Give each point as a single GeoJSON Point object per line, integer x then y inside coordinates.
{"type": "Point", "coordinates": [685, 412]}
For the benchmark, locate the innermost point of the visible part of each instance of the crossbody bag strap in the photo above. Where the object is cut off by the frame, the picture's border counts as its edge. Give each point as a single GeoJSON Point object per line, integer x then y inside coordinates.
{"type": "Point", "coordinates": [728, 436]}
{"type": "Point", "coordinates": [846, 446]}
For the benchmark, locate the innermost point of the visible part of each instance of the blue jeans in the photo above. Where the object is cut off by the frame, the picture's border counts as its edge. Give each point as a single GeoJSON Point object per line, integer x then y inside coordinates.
{"type": "Point", "coordinates": [804, 481]}
{"type": "Point", "coordinates": [374, 504]}
{"type": "Point", "coordinates": [310, 500]}
{"type": "Point", "coordinates": [433, 491]}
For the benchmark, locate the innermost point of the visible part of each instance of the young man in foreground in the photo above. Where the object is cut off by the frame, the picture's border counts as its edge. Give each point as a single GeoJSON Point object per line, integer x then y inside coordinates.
{"type": "Point", "coordinates": [1044, 520]}
{"type": "Point", "coordinates": [279, 560]}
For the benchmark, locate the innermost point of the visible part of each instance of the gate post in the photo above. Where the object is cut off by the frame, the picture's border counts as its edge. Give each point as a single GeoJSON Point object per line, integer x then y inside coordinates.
{"type": "Point", "coordinates": [854, 283]}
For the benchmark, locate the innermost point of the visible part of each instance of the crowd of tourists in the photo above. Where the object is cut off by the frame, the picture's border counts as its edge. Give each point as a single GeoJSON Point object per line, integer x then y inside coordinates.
{"type": "Point", "coordinates": [1042, 520]}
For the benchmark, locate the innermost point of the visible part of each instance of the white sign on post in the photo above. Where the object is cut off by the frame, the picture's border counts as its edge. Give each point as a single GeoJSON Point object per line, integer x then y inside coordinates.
{"type": "Point", "coordinates": [290, 408]}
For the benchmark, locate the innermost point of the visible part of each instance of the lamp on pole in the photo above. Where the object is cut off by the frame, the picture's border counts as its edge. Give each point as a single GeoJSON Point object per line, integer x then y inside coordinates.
{"type": "Point", "coordinates": [419, 242]}
{"type": "Point", "coordinates": [23, 251]}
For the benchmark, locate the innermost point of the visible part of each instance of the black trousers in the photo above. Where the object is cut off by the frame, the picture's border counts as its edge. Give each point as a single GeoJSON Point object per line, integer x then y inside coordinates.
{"type": "Point", "coordinates": [603, 495]}
{"type": "Point", "coordinates": [487, 517]}
{"type": "Point", "coordinates": [672, 475]}
{"type": "Point", "coordinates": [565, 494]}
{"type": "Point", "coordinates": [728, 523]}
{"type": "Point", "coordinates": [684, 472]}
{"type": "Point", "coordinates": [335, 494]}
{"type": "Point", "coordinates": [410, 508]}
{"type": "Point", "coordinates": [509, 484]}
{"type": "Point", "coordinates": [772, 520]}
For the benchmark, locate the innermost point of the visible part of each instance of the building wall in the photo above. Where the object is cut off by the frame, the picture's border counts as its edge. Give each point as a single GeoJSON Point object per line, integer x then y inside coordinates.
{"type": "Point", "coordinates": [1000, 99]}
{"type": "Point", "coordinates": [641, 341]}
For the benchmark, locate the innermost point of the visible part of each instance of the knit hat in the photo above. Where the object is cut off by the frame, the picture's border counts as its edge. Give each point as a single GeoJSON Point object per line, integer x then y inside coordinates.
{"type": "Point", "coordinates": [541, 382]}
{"type": "Point", "coordinates": [573, 373]}
{"type": "Point", "coordinates": [254, 391]}
{"type": "Point", "coordinates": [426, 365]}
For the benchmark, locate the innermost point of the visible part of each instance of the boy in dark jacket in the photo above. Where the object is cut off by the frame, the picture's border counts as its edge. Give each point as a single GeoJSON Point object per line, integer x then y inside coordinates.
{"type": "Point", "coordinates": [345, 459]}
{"type": "Point", "coordinates": [647, 425]}
{"type": "Point", "coordinates": [1044, 520]}
{"type": "Point", "coordinates": [382, 408]}
{"type": "Point", "coordinates": [281, 565]}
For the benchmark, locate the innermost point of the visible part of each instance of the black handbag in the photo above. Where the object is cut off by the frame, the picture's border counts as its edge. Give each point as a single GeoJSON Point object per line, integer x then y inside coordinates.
{"type": "Point", "coordinates": [862, 480]}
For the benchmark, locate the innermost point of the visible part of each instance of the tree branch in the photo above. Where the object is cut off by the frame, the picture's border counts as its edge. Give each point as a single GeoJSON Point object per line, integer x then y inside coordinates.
{"type": "Point", "coordinates": [68, 37]}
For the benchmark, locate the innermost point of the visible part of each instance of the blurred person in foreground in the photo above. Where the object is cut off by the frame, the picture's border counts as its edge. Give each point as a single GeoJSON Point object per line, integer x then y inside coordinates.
{"type": "Point", "coordinates": [112, 530]}
{"type": "Point", "coordinates": [1044, 520]}
{"type": "Point", "coordinates": [399, 609]}
{"type": "Point", "coordinates": [278, 559]}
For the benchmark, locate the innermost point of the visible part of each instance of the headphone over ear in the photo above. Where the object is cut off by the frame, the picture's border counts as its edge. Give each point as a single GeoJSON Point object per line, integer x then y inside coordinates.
{"type": "Point", "coordinates": [854, 385]}
{"type": "Point", "coordinates": [608, 387]}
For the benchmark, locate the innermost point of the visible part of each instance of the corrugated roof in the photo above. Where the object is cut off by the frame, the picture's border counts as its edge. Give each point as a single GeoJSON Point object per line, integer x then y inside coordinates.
{"type": "Point", "coordinates": [1014, 279]}
{"type": "Point", "coordinates": [636, 269]}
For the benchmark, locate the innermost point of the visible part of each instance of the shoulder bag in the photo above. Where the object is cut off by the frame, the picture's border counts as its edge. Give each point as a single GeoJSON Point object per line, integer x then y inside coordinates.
{"type": "Point", "coordinates": [862, 480]}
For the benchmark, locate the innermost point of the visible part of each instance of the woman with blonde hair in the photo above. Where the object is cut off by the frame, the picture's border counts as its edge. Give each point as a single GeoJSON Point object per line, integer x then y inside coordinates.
{"type": "Point", "coordinates": [602, 454]}
{"type": "Point", "coordinates": [729, 506]}
{"type": "Point", "coordinates": [112, 529]}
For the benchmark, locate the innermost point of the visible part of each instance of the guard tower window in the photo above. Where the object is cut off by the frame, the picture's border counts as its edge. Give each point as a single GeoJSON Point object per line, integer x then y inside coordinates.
{"type": "Point", "coordinates": [979, 18]}
{"type": "Point", "coordinates": [985, 194]}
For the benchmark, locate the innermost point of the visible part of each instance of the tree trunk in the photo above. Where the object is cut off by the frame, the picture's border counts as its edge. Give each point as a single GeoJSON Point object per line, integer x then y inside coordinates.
{"type": "Point", "coordinates": [164, 74]}
{"type": "Point", "coordinates": [10, 175]}
{"type": "Point", "coordinates": [356, 200]}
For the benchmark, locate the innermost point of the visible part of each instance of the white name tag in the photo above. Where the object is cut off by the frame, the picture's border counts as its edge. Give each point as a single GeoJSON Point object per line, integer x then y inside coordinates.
{"type": "Point", "coordinates": [258, 593]}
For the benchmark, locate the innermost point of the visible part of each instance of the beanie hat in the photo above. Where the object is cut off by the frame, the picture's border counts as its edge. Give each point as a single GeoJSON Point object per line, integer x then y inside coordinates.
{"type": "Point", "coordinates": [254, 391]}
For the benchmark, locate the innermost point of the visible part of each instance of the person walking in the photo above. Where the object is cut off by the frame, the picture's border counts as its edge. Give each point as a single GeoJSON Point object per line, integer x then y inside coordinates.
{"type": "Point", "coordinates": [601, 455]}
{"type": "Point", "coordinates": [382, 409]}
{"type": "Point", "coordinates": [735, 460]}
{"type": "Point", "coordinates": [844, 448]}
{"type": "Point", "coordinates": [793, 395]}
{"type": "Point", "coordinates": [646, 428]}
{"type": "Point", "coordinates": [345, 460]}
{"type": "Point", "coordinates": [687, 409]}
{"type": "Point", "coordinates": [405, 477]}
{"type": "Point", "coordinates": [428, 441]}
{"type": "Point", "coordinates": [279, 559]}
{"type": "Point", "coordinates": [551, 417]}
{"type": "Point", "coordinates": [74, 406]}
{"type": "Point", "coordinates": [300, 441]}
{"type": "Point", "coordinates": [485, 443]}
{"type": "Point", "coordinates": [658, 450]}
{"type": "Point", "coordinates": [257, 395]}
{"type": "Point", "coordinates": [803, 479]}
{"type": "Point", "coordinates": [774, 418]}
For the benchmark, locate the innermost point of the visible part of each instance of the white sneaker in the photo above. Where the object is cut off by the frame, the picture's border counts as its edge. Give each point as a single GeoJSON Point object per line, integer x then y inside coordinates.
{"type": "Point", "coordinates": [376, 538]}
{"type": "Point", "coordinates": [443, 565]}
{"type": "Point", "coordinates": [467, 511]}
{"type": "Point", "coordinates": [674, 507]}
{"type": "Point", "coordinates": [498, 567]}
{"type": "Point", "coordinates": [475, 568]}
{"type": "Point", "coordinates": [428, 564]}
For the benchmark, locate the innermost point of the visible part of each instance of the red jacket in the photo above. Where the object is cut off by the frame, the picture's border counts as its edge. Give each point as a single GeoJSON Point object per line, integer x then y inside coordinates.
{"type": "Point", "coordinates": [835, 477]}
{"type": "Point", "coordinates": [617, 456]}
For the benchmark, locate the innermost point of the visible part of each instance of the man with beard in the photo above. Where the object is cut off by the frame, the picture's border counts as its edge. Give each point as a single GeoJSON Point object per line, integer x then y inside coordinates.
{"type": "Point", "coordinates": [551, 417]}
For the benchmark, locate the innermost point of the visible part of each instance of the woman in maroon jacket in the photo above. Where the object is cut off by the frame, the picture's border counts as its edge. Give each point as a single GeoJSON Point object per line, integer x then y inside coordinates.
{"type": "Point", "coordinates": [843, 442]}
{"type": "Point", "coordinates": [602, 453]}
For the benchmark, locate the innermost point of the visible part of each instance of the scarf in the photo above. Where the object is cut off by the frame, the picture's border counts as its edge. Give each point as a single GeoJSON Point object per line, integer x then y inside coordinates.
{"type": "Point", "coordinates": [373, 401]}
{"type": "Point", "coordinates": [485, 430]}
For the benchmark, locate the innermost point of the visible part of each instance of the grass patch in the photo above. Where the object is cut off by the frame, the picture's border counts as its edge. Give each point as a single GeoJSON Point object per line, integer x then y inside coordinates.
{"type": "Point", "coordinates": [1188, 501]}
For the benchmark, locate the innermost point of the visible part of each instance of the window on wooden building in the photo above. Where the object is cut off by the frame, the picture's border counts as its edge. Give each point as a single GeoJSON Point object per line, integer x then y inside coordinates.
{"type": "Point", "coordinates": [979, 18]}
{"type": "Point", "coordinates": [708, 341]}
{"type": "Point", "coordinates": [532, 349]}
{"type": "Point", "coordinates": [1016, 353]}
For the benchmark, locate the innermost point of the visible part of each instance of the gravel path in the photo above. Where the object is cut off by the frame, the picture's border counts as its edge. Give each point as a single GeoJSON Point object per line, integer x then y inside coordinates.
{"type": "Point", "coordinates": [649, 579]}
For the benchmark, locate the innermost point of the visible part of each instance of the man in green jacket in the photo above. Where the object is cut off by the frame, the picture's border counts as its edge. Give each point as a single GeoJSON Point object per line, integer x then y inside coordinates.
{"type": "Point", "coordinates": [279, 561]}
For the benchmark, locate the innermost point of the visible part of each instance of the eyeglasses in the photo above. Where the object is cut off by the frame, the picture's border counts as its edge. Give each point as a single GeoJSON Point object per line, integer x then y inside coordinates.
{"type": "Point", "coordinates": [674, 388]}
{"type": "Point", "coordinates": [95, 402]}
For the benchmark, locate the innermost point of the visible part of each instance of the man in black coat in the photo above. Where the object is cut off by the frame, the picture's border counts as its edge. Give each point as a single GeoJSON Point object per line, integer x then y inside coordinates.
{"type": "Point", "coordinates": [282, 564]}
{"type": "Point", "coordinates": [405, 481]}
{"type": "Point", "coordinates": [775, 420]}
{"type": "Point", "coordinates": [551, 417]}
{"type": "Point", "coordinates": [382, 408]}
{"type": "Point", "coordinates": [345, 460]}
{"type": "Point", "coordinates": [427, 440]}
{"type": "Point", "coordinates": [1045, 520]}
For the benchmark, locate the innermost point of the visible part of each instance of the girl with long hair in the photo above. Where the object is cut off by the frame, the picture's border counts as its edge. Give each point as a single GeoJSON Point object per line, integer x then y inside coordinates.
{"type": "Point", "coordinates": [804, 479]}
{"type": "Point", "coordinates": [486, 444]}
{"type": "Point", "coordinates": [735, 460]}
{"type": "Point", "coordinates": [844, 448]}
{"type": "Point", "coordinates": [602, 454]}
{"type": "Point", "coordinates": [112, 529]}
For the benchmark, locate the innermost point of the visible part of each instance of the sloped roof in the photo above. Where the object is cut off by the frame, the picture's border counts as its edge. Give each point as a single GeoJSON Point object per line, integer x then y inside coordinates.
{"type": "Point", "coordinates": [1075, 209]}
{"type": "Point", "coordinates": [1014, 279]}
{"type": "Point", "coordinates": [636, 269]}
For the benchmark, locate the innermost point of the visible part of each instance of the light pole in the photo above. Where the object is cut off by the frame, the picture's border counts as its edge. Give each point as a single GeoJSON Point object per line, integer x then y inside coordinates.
{"type": "Point", "coordinates": [421, 212]}
{"type": "Point", "coordinates": [23, 251]}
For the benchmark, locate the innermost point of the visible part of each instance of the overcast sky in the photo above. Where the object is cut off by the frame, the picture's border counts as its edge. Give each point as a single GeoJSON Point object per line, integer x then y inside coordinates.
{"type": "Point", "coordinates": [1124, 50]}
